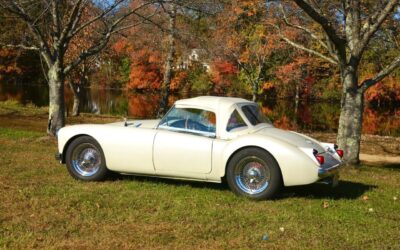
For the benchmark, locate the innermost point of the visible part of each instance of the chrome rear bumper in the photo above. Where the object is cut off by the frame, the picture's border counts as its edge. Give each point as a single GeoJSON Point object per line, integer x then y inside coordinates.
{"type": "Point", "coordinates": [329, 176]}
{"type": "Point", "coordinates": [326, 172]}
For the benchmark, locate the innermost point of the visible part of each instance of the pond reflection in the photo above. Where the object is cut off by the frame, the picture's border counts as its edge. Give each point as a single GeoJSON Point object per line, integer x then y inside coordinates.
{"type": "Point", "coordinates": [285, 113]}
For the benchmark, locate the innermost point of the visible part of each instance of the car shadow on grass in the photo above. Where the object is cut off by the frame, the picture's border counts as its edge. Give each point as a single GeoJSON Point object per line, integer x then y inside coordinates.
{"type": "Point", "coordinates": [345, 190]}
{"type": "Point", "coordinates": [175, 182]}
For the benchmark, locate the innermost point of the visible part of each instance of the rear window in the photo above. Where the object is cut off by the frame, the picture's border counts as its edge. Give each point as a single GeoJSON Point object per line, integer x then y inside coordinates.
{"type": "Point", "coordinates": [254, 114]}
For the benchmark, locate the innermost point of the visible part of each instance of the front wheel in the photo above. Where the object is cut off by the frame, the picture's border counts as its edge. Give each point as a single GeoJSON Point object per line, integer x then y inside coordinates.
{"type": "Point", "coordinates": [85, 160]}
{"type": "Point", "coordinates": [254, 173]}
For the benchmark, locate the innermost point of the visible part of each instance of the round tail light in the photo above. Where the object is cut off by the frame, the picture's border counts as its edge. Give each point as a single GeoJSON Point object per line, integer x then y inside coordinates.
{"type": "Point", "coordinates": [320, 159]}
{"type": "Point", "coordinates": [340, 152]}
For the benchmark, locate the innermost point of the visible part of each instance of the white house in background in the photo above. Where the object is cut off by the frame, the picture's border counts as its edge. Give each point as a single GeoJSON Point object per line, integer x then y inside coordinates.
{"type": "Point", "coordinates": [195, 55]}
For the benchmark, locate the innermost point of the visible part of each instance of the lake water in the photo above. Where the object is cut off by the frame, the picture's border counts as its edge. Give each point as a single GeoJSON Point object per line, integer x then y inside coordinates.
{"type": "Point", "coordinates": [305, 116]}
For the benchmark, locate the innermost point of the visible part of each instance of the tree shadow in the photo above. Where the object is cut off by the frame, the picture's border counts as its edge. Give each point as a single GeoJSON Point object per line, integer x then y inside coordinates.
{"type": "Point", "coordinates": [345, 190]}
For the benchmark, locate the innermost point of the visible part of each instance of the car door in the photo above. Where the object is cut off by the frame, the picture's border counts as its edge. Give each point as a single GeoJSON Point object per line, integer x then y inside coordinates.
{"type": "Point", "coordinates": [128, 149]}
{"type": "Point", "coordinates": [183, 143]}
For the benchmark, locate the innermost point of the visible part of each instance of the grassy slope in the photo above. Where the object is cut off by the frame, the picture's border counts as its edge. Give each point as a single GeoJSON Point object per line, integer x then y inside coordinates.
{"type": "Point", "coordinates": [41, 206]}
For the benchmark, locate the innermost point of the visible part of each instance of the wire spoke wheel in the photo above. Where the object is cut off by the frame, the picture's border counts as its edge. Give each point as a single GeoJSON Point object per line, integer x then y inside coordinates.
{"type": "Point", "coordinates": [252, 175]}
{"type": "Point", "coordinates": [85, 159]}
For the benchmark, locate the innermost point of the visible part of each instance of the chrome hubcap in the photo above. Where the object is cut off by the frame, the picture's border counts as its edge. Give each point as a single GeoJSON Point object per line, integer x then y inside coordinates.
{"type": "Point", "coordinates": [252, 175]}
{"type": "Point", "coordinates": [86, 159]}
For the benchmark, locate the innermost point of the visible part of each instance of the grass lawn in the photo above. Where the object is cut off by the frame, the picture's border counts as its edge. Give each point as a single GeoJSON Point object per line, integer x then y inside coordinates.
{"type": "Point", "coordinates": [43, 207]}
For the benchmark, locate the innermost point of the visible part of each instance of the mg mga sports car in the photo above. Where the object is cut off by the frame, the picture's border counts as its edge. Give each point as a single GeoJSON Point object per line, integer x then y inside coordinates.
{"type": "Point", "coordinates": [204, 139]}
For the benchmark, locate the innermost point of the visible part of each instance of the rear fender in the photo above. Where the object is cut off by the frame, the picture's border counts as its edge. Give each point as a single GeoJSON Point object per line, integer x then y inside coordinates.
{"type": "Point", "coordinates": [296, 167]}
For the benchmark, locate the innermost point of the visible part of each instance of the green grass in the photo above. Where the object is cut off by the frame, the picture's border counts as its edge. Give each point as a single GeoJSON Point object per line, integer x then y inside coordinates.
{"type": "Point", "coordinates": [19, 134]}
{"type": "Point", "coordinates": [43, 207]}
{"type": "Point", "coordinates": [14, 107]}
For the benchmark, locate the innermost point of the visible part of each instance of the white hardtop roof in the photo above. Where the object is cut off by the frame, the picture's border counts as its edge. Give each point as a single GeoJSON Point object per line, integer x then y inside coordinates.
{"type": "Point", "coordinates": [211, 102]}
{"type": "Point", "coordinates": [222, 106]}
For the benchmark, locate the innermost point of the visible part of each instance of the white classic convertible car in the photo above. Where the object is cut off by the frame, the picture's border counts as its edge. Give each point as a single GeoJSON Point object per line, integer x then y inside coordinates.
{"type": "Point", "coordinates": [204, 139]}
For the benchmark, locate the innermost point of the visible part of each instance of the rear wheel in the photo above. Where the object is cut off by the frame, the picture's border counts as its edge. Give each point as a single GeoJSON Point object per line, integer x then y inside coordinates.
{"type": "Point", "coordinates": [85, 160]}
{"type": "Point", "coordinates": [254, 173]}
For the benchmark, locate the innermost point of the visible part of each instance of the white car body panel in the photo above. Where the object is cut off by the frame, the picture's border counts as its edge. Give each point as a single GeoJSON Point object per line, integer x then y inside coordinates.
{"type": "Point", "coordinates": [142, 148]}
{"type": "Point", "coordinates": [186, 153]}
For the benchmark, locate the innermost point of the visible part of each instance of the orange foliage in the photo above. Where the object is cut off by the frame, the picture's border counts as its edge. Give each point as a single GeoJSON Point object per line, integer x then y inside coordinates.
{"type": "Point", "coordinates": [122, 47]}
{"type": "Point", "coordinates": [222, 73]}
{"type": "Point", "coordinates": [179, 81]}
{"type": "Point", "coordinates": [8, 63]}
{"type": "Point", "coordinates": [285, 123]}
{"type": "Point", "coordinates": [145, 70]}
{"type": "Point", "coordinates": [384, 92]}
{"type": "Point", "coordinates": [142, 106]}
{"type": "Point", "coordinates": [380, 123]}
{"type": "Point", "coordinates": [297, 72]}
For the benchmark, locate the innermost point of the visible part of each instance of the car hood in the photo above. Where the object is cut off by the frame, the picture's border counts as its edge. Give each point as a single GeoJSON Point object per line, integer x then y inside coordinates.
{"type": "Point", "coordinates": [293, 138]}
{"type": "Point", "coordinates": [137, 123]}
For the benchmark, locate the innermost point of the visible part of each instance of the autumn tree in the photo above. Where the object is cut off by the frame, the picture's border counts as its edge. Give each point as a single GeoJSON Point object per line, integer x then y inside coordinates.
{"type": "Point", "coordinates": [242, 36]}
{"type": "Point", "coordinates": [183, 10]}
{"type": "Point", "coordinates": [344, 32]}
{"type": "Point", "coordinates": [52, 29]}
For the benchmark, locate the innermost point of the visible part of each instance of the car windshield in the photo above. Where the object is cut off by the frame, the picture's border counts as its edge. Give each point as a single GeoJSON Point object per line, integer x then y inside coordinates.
{"type": "Point", "coordinates": [190, 120]}
{"type": "Point", "coordinates": [254, 115]}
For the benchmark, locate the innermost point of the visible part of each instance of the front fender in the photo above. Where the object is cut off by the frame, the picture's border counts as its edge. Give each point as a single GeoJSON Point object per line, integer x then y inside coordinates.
{"type": "Point", "coordinates": [67, 134]}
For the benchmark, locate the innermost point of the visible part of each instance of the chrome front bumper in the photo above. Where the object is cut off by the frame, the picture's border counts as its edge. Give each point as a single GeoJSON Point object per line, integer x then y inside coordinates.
{"type": "Point", "coordinates": [59, 157]}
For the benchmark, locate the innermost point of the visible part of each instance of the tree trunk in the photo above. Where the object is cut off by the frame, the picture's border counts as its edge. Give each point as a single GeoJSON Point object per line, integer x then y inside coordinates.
{"type": "Point", "coordinates": [351, 116]}
{"type": "Point", "coordinates": [168, 65]}
{"type": "Point", "coordinates": [255, 90]}
{"type": "Point", "coordinates": [77, 100]}
{"type": "Point", "coordinates": [56, 100]}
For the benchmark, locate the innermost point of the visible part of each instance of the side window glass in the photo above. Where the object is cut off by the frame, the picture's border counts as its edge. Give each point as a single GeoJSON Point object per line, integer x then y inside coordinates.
{"type": "Point", "coordinates": [190, 120]}
{"type": "Point", "coordinates": [235, 121]}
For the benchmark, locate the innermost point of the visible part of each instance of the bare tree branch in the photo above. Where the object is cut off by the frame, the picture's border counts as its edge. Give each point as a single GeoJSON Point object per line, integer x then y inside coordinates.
{"type": "Point", "coordinates": [14, 8]}
{"type": "Point", "coordinates": [55, 16]}
{"type": "Point", "coordinates": [19, 46]}
{"type": "Point", "coordinates": [375, 21]}
{"type": "Point", "coordinates": [145, 19]}
{"type": "Point", "coordinates": [301, 47]}
{"type": "Point", "coordinates": [73, 17]}
{"type": "Point", "coordinates": [308, 31]}
{"type": "Point", "coordinates": [97, 47]}
{"type": "Point", "coordinates": [382, 74]}
{"type": "Point", "coordinates": [324, 22]}
{"type": "Point", "coordinates": [95, 19]}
